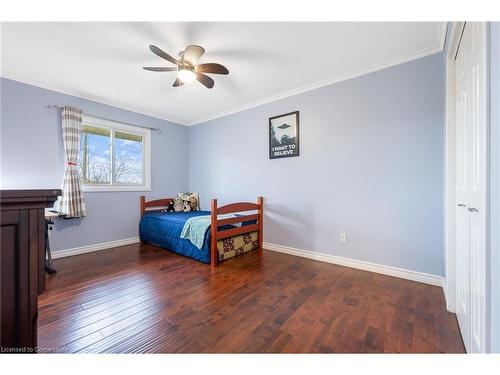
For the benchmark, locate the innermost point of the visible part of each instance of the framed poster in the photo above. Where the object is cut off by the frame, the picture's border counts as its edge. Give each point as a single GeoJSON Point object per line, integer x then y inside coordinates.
{"type": "Point", "coordinates": [284, 136]}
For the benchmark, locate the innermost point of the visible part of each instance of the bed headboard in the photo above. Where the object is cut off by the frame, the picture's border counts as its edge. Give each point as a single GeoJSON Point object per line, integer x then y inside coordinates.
{"type": "Point", "coordinates": [156, 205]}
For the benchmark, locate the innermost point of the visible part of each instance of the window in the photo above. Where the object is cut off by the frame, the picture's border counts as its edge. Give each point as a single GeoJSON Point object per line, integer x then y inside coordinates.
{"type": "Point", "coordinates": [114, 156]}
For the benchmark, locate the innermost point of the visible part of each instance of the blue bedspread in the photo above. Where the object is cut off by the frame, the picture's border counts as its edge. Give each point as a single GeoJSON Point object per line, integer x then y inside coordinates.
{"type": "Point", "coordinates": [164, 229]}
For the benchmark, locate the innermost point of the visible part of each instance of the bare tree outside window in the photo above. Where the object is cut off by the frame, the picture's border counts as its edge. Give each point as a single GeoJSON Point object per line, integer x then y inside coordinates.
{"type": "Point", "coordinates": [98, 167]}
{"type": "Point", "coordinates": [128, 158]}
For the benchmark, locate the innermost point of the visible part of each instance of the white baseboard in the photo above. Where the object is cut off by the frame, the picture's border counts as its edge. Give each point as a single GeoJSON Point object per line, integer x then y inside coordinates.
{"type": "Point", "coordinates": [348, 262]}
{"type": "Point", "coordinates": [402, 273]}
{"type": "Point", "coordinates": [93, 248]}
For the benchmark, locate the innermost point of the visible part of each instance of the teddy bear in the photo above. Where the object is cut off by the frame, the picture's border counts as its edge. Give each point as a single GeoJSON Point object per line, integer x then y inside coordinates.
{"type": "Point", "coordinates": [186, 206]}
{"type": "Point", "coordinates": [178, 205]}
{"type": "Point", "coordinates": [170, 207]}
{"type": "Point", "coordinates": [193, 202]}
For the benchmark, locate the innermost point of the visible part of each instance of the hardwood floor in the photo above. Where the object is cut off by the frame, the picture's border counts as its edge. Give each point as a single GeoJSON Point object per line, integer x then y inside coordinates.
{"type": "Point", "coordinates": [140, 298]}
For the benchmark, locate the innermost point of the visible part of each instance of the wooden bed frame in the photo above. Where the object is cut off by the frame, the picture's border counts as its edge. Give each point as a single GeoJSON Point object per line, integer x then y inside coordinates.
{"type": "Point", "coordinates": [216, 234]}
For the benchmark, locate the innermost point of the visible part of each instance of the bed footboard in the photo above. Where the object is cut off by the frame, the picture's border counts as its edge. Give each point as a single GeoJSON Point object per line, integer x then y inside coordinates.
{"type": "Point", "coordinates": [217, 234]}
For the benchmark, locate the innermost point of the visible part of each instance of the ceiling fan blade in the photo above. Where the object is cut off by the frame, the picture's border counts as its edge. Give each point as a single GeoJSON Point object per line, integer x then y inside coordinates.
{"type": "Point", "coordinates": [192, 54]}
{"type": "Point", "coordinates": [162, 54]}
{"type": "Point", "coordinates": [212, 68]}
{"type": "Point", "coordinates": [178, 83]}
{"type": "Point", "coordinates": [205, 80]}
{"type": "Point", "coordinates": [160, 69]}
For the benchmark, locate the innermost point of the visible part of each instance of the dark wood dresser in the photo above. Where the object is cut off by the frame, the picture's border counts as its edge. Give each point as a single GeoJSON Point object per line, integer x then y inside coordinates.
{"type": "Point", "coordinates": [22, 265]}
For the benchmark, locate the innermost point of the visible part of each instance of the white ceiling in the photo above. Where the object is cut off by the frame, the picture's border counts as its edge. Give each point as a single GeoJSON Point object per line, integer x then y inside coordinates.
{"type": "Point", "coordinates": [267, 61]}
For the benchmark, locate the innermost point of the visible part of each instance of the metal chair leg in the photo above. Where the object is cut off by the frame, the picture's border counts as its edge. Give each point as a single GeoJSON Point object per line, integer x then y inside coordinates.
{"type": "Point", "coordinates": [48, 262]}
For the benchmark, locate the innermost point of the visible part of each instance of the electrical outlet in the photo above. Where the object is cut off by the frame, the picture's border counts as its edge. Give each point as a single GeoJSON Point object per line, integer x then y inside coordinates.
{"type": "Point", "coordinates": [343, 237]}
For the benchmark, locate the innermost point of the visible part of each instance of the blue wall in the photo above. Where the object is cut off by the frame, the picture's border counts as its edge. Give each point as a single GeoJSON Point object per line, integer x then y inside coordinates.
{"type": "Point", "coordinates": [32, 157]}
{"type": "Point", "coordinates": [371, 165]}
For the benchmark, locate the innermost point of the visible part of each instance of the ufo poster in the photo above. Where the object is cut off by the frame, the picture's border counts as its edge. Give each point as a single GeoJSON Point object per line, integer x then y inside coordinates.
{"type": "Point", "coordinates": [284, 136]}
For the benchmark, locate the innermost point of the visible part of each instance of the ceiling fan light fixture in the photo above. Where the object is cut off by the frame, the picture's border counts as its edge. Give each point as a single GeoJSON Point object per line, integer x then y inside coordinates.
{"type": "Point", "coordinates": [186, 75]}
{"type": "Point", "coordinates": [187, 68]}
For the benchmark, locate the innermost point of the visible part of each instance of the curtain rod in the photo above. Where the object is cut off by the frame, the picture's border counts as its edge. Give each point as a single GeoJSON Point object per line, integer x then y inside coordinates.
{"type": "Point", "coordinates": [59, 108]}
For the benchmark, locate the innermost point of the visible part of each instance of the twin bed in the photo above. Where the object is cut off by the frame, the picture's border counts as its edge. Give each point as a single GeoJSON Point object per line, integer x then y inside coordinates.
{"type": "Point", "coordinates": [229, 232]}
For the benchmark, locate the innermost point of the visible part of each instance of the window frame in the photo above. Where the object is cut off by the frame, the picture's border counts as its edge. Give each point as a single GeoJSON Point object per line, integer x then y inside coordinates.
{"type": "Point", "coordinates": [146, 155]}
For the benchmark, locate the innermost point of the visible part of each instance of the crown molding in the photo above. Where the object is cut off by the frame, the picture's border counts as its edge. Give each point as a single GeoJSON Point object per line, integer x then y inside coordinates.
{"type": "Point", "coordinates": [344, 77]}
{"type": "Point", "coordinates": [93, 98]}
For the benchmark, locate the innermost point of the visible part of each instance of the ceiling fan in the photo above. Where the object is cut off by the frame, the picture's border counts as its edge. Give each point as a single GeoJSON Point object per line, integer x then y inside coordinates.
{"type": "Point", "coordinates": [187, 69]}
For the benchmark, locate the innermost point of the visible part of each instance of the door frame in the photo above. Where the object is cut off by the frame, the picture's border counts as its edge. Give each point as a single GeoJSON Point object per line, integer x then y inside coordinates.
{"type": "Point", "coordinates": [494, 58]}
{"type": "Point", "coordinates": [455, 30]}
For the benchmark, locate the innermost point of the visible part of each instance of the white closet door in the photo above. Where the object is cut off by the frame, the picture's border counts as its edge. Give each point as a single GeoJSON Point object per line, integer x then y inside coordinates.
{"type": "Point", "coordinates": [471, 148]}
{"type": "Point", "coordinates": [462, 193]}
{"type": "Point", "coordinates": [477, 199]}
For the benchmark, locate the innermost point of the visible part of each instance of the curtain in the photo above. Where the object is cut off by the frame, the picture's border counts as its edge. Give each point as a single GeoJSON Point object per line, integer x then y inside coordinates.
{"type": "Point", "coordinates": [72, 204]}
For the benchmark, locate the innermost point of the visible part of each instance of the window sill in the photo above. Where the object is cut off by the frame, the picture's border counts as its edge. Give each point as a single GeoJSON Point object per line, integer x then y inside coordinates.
{"type": "Point", "coordinates": [93, 189]}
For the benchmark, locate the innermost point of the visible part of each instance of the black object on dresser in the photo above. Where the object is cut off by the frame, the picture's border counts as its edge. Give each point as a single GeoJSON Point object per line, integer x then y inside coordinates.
{"type": "Point", "coordinates": [22, 264]}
